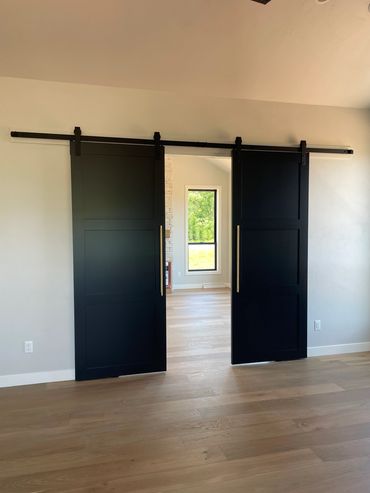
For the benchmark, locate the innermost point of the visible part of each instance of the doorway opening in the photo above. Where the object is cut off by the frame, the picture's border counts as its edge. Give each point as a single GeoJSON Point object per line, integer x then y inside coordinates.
{"type": "Point", "coordinates": [198, 260]}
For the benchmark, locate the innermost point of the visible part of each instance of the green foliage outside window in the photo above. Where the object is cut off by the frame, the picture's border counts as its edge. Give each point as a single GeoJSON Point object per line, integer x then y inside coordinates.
{"type": "Point", "coordinates": [201, 216]}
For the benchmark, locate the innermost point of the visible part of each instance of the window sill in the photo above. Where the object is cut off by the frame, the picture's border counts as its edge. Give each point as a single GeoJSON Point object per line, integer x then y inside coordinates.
{"type": "Point", "coordinates": [203, 272]}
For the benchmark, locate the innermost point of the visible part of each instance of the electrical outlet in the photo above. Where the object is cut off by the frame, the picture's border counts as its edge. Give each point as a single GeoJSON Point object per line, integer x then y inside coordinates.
{"type": "Point", "coordinates": [28, 346]}
{"type": "Point", "coordinates": [317, 325]}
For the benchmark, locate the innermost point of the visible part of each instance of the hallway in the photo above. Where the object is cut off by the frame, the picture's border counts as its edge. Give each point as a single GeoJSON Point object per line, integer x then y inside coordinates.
{"type": "Point", "coordinates": [199, 329]}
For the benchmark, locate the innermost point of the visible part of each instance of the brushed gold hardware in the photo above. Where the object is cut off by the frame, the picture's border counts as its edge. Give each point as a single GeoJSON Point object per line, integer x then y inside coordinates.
{"type": "Point", "coordinates": [161, 257]}
{"type": "Point", "coordinates": [238, 258]}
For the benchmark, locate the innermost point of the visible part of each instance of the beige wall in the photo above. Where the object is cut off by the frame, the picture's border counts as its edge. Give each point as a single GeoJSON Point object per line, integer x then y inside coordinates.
{"type": "Point", "coordinates": [198, 171]}
{"type": "Point", "coordinates": [36, 293]}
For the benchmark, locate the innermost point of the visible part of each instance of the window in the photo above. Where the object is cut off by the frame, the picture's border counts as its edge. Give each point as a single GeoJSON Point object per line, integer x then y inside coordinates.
{"type": "Point", "coordinates": [202, 229]}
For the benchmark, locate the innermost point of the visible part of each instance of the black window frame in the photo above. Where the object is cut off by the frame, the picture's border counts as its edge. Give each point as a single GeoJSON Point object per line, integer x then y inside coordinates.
{"type": "Point", "coordinates": [215, 218]}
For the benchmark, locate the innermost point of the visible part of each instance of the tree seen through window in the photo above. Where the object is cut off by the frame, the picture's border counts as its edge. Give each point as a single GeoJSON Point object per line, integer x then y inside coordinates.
{"type": "Point", "coordinates": [202, 253]}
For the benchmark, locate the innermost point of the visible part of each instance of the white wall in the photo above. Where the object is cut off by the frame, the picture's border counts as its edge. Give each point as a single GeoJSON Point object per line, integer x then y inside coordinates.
{"type": "Point", "coordinates": [199, 171]}
{"type": "Point", "coordinates": [36, 298]}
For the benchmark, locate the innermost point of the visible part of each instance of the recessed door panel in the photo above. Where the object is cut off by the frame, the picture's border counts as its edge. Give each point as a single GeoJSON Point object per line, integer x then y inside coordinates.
{"type": "Point", "coordinates": [112, 334]}
{"type": "Point", "coordinates": [269, 257]}
{"type": "Point", "coordinates": [270, 191]}
{"type": "Point", "coordinates": [109, 195]}
{"type": "Point", "coordinates": [116, 259]}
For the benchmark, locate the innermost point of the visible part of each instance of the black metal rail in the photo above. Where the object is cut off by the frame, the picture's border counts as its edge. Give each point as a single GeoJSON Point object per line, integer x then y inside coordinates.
{"type": "Point", "coordinates": [79, 137]}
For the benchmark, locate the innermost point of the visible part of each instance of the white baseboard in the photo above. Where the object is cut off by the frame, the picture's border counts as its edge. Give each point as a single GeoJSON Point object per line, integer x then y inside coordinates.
{"type": "Point", "coordinates": [355, 347]}
{"type": "Point", "coordinates": [213, 285]}
{"type": "Point", "coordinates": [187, 286]}
{"type": "Point", "coordinates": [36, 377]}
{"type": "Point", "coordinates": [201, 285]}
{"type": "Point", "coordinates": [63, 375]}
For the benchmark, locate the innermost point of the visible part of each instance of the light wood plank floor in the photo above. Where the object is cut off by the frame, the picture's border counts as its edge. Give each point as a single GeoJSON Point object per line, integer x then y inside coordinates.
{"type": "Point", "coordinates": [204, 427]}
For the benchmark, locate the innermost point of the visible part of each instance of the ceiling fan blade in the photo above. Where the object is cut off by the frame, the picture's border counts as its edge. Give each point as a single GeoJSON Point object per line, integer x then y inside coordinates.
{"type": "Point", "coordinates": [264, 2]}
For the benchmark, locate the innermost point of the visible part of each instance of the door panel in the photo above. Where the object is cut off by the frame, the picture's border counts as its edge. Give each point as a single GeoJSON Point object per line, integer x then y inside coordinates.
{"type": "Point", "coordinates": [270, 223]}
{"type": "Point", "coordinates": [118, 211]}
{"type": "Point", "coordinates": [107, 273]}
{"type": "Point", "coordinates": [278, 185]}
{"type": "Point", "coordinates": [114, 346]}
{"type": "Point", "coordinates": [269, 257]}
{"type": "Point", "coordinates": [112, 195]}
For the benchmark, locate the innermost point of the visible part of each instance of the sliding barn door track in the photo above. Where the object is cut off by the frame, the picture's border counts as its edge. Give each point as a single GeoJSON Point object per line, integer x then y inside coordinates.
{"type": "Point", "coordinates": [78, 137]}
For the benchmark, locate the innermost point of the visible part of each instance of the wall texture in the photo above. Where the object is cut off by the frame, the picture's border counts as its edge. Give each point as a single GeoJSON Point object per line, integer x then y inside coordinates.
{"type": "Point", "coordinates": [36, 295]}
{"type": "Point", "coordinates": [198, 171]}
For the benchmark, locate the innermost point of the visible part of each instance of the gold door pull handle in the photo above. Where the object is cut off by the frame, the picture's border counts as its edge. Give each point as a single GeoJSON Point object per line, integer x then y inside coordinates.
{"type": "Point", "coordinates": [238, 258]}
{"type": "Point", "coordinates": [161, 258]}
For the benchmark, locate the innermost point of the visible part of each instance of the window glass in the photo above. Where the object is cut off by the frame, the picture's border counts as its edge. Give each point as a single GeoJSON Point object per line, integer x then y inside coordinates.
{"type": "Point", "coordinates": [202, 221]}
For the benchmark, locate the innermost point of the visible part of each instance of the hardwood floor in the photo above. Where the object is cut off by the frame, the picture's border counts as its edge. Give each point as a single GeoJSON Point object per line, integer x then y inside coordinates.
{"type": "Point", "coordinates": [203, 427]}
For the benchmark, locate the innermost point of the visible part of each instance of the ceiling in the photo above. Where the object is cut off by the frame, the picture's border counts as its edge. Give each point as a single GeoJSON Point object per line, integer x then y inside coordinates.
{"type": "Point", "coordinates": [221, 162]}
{"type": "Point", "coordinates": [289, 50]}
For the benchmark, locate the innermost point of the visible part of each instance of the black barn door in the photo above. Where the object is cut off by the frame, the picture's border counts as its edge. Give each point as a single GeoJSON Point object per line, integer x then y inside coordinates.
{"type": "Point", "coordinates": [270, 227]}
{"type": "Point", "coordinates": [118, 238]}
